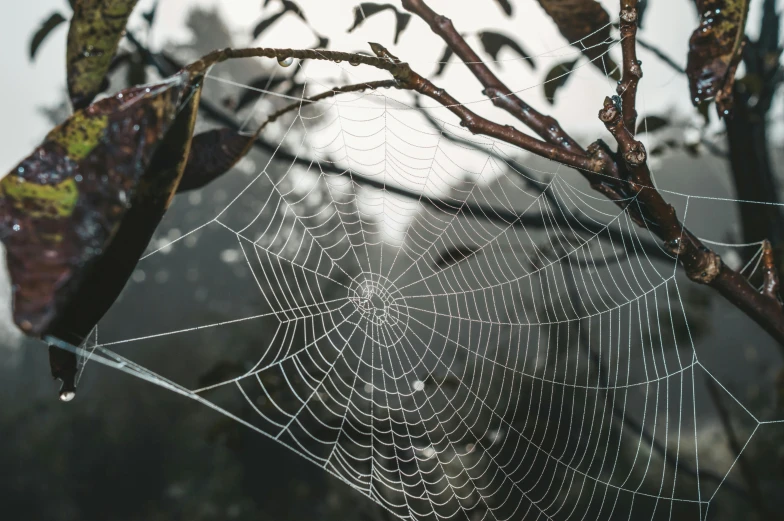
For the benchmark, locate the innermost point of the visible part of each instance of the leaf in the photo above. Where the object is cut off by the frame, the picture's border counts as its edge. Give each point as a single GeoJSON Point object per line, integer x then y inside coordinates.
{"type": "Point", "coordinates": [137, 71]}
{"type": "Point", "coordinates": [642, 8]}
{"type": "Point", "coordinates": [250, 95]}
{"type": "Point", "coordinates": [267, 23]}
{"type": "Point", "coordinates": [586, 25]}
{"type": "Point", "coordinates": [444, 60]}
{"type": "Point", "coordinates": [213, 153]}
{"type": "Point", "coordinates": [454, 255]}
{"type": "Point", "coordinates": [77, 213]}
{"type": "Point", "coordinates": [149, 16]}
{"type": "Point", "coordinates": [506, 5]}
{"type": "Point", "coordinates": [367, 9]}
{"type": "Point", "coordinates": [652, 124]}
{"type": "Point", "coordinates": [715, 49]}
{"type": "Point", "coordinates": [658, 150]}
{"type": "Point", "coordinates": [288, 7]}
{"type": "Point", "coordinates": [493, 43]}
{"type": "Point", "coordinates": [64, 367]}
{"type": "Point", "coordinates": [96, 29]}
{"type": "Point", "coordinates": [51, 23]}
{"type": "Point", "coordinates": [556, 78]}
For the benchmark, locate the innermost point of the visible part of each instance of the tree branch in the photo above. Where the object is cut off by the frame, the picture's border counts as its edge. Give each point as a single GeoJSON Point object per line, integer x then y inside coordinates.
{"type": "Point", "coordinates": [475, 123]}
{"type": "Point", "coordinates": [770, 275]}
{"type": "Point", "coordinates": [545, 126]}
{"type": "Point", "coordinates": [632, 72]}
{"type": "Point", "coordinates": [166, 65]}
{"type": "Point", "coordinates": [699, 262]}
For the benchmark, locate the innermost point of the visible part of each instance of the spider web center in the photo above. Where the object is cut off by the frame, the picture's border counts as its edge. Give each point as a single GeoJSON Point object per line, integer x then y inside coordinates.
{"type": "Point", "coordinates": [381, 306]}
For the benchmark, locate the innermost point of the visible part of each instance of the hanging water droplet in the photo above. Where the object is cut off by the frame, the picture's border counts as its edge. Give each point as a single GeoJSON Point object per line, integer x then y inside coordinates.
{"type": "Point", "coordinates": [17, 227]}
{"type": "Point", "coordinates": [20, 170]}
{"type": "Point", "coordinates": [67, 396]}
{"type": "Point", "coordinates": [354, 62]}
{"type": "Point", "coordinates": [285, 62]}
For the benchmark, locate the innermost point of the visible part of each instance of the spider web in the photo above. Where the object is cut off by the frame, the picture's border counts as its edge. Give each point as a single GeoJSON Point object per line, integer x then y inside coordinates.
{"type": "Point", "coordinates": [505, 345]}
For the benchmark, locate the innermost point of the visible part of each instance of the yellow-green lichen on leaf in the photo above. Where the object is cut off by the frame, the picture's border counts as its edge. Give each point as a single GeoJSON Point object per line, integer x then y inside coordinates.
{"type": "Point", "coordinates": [80, 134]}
{"type": "Point", "coordinates": [96, 29]}
{"type": "Point", "coordinates": [41, 200]}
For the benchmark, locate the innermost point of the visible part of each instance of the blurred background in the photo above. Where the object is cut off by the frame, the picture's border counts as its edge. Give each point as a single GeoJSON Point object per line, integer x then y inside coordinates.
{"type": "Point", "coordinates": [125, 449]}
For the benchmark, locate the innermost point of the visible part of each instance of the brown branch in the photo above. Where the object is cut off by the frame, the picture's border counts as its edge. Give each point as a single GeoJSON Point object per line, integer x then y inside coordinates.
{"type": "Point", "coordinates": [356, 87]}
{"type": "Point", "coordinates": [409, 79]}
{"type": "Point", "coordinates": [545, 126]}
{"type": "Point", "coordinates": [770, 275]}
{"type": "Point", "coordinates": [476, 124]}
{"type": "Point", "coordinates": [632, 72]}
{"type": "Point", "coordinates": [166, 65]}
{"type": "Point", "coordinates": [699, 262]}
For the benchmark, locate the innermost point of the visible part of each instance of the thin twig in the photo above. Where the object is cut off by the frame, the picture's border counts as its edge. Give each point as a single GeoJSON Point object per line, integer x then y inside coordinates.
{"type": "Point", "coordinates": [632, 71]}
{"type": "Point", "coordinates": [545, 126]}
{"type": "Point", "coordinates": [166, 65]}
{"type": "Point", "coordinates": [652, 211]}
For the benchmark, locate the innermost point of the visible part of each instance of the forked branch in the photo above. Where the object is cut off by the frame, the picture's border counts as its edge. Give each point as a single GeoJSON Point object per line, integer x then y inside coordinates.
{"type": "Point", "coordinates": [545, 126]}
{"type": "Point", "coordinates": [619, 116]}
{"type": "Point", "coordinates": [652, 211]}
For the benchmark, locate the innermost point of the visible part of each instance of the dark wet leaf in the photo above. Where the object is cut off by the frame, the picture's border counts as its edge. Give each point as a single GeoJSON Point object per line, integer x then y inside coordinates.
{"type": "Point", "coordinates": [658, 150]}
{"type": "Point", "coordinates": [149, 16]}
{"type": "Point", "coordinates": [454, 255]}
{"type": "Point", "coordinates": [556, 78]}
{"type": "Point", "coordinates": [367, 9]}
{"type": "Point", "coordinates": [444, 60]}
{"type": "Point", "coordinates": [715, 49]}
{"type": "Point", "coordinates": [493, 43]}
{"type": "Point", "coordinates": [642, 8]}
{"type": "Point", "coordinates": [288, 7]}
{"type": "Point", "coordinates": [323, 42]}
{"type": "Point", "coordinates": [652, 124]}
{"type": "Point", "coordinates": [213, 153]}
{"type": "Point", "coordinates": [96, 29]}
{"type": "Point", "coordinates": [49, 25]}
{"type": "Point", "coordinates": [267, 23]}
{"type": "Point", "coordinates": [586, 25]}
{"type": "Point", "coordinates": [137, 71]}
{"type": "Point", "coordinates": [64, 366]}
{"type": "Point", "coordinates": [76, 215]}
{"type": "Point", "coordinates": [506, 5]}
